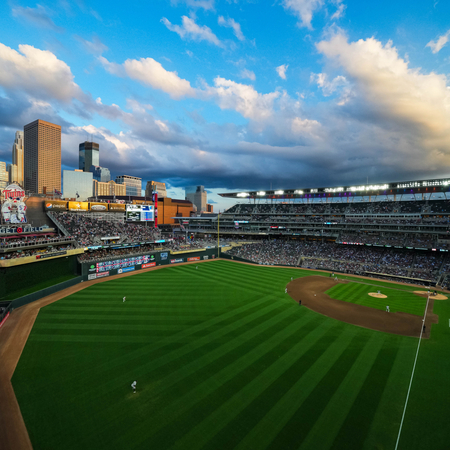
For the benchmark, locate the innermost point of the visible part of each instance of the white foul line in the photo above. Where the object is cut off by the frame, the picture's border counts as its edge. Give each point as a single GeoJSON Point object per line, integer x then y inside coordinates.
{"type": "Point", "coordinates": [412, 374]}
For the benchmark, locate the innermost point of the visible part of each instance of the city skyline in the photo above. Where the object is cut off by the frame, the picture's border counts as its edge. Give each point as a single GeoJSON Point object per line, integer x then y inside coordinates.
{"type": "Point", "coordinates": [235, 95]}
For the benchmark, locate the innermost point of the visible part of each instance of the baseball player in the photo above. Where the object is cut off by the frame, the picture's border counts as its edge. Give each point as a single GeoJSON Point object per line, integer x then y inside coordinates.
{"type": "Point", "coordinates": [196, 267]}
{"type": "Point", "coordinates": [124, 299]}
{"type": "Point", "coordinates": [133, 385]}
{"type": "Point", "coordinates": [285, 291]}
{"type": "Point", "coordinates": [387, 309]}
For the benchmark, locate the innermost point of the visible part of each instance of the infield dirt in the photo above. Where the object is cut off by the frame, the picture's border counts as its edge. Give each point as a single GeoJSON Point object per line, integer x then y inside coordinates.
{"type": "Point", "coordinates": [310, 291]}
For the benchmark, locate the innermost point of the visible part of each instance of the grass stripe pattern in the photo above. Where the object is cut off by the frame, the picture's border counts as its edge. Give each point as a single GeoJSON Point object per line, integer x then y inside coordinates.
{"type": "Point", "coordinates": [223, 359]}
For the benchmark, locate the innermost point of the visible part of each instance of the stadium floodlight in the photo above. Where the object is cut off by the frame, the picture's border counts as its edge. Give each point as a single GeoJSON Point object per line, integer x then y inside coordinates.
{"type": "Point", "coordinates": [279, 192]}
{"type": "Point", "coordinates": [242, 194]}
{"type": "Point", "coordinates": [298, 191]}
{"type": "Point", "coordinates": [261, 193]}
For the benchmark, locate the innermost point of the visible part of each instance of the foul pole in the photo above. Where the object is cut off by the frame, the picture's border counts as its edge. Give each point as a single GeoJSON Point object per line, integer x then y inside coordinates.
{"type": "Point", "coordinates": [218, 240]}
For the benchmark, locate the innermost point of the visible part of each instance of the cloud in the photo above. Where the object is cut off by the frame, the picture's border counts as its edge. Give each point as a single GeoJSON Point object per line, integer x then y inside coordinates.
{"type": "Point", "coordinates": [96, 46]}
{"type": "Point", "coordinates": [281, 70]}
{"type": "Point", "coordinates": [303, 9]}
{"type": "Point", "coordinates": [436, 46]}
{"type": "Point", "coordinates": [190, 30]}
{"type": "Point", "coordinates": [340, 10]}
{"type": "Point", "coordinates": [205, 4]}
{"type": "Point", "coordinates": [152, 73]}
{"type": "Point", "coordinates": [390, 89]}
{"type": "Point", "coordinates": [38, 72]}
{"type": "Point", "coordinates": [242, 98]}
{"type": "Point", "coordinates": [330, 87]}
{"type": "Point", "coordinates": [231, 23]}
{"type": "Point", "coordinates": [38, 16]}
{"type": "Point", "coordinates": [245, 73]}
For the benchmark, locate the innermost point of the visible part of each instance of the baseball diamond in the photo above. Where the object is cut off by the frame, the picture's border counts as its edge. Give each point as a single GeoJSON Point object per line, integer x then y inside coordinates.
{"type": "Point", "coordinates": [225, 360]}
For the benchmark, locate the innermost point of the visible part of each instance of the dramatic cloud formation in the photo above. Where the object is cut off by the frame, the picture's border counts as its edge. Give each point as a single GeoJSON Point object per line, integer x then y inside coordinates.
{"type": "Point", "coordinates": [436, 46]}
{"type": "Point", "coordinates": [190, 30]}
{"type": "Point", "coordinates": [281, 70]}
{"type": "Point", "coordinates": [389, 87]}
{"type": "Point", "coordinates": [231, 23]}
{"type": "Point", "coordinates": [38, 72]}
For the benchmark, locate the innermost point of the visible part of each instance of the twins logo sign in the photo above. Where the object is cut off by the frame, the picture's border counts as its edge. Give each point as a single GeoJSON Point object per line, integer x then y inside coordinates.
{"type": "Point", "coordinates": [13, 208]}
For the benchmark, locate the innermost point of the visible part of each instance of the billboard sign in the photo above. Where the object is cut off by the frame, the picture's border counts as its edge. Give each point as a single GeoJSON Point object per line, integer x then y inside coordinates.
{"type": "Point", "coordinates": [101, 275]}
{"type": "Point", "coordinates": [13, 206]}
{"type": "Point", "coordinates": [116, 207]}
{"type": "Point", "coordinates": [146, 266]}
{"type": "Point", "coordinates": [78, 206]}
{"type": "Point", "coordinates": [164, 255]}
{"type": "Point", "coordinates": [57, 205]}
{"type": "Point", "coordinates": [94, 206]}
{"type": "Point", "coordinates": [178, 260]}
{"type": "Point", "coordinates": [140, 213]}
{"type": "Point", "coordinates": [126, 269]}
{"type": "Point", "coordinates": [194, 258]}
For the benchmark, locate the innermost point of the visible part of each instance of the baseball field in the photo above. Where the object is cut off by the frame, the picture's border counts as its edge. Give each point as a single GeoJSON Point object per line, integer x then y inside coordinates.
{"type": "Point", "coordinates": [225, 359]}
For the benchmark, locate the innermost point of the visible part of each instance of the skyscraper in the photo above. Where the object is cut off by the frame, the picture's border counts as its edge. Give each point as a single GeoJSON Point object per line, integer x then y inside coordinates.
{"type": "Point", "coordinates": [42, 157]}
{"type": "Point", "coordinates": [4, 177]}
{"type": "Point", "coordinates": [197, 196]}
{"type": "Point", "coordinates": [89, 155]}
{"type": "Point", "coordinates": [133, 184]}
{"type": "Point", "coordinates": [17, 159]}
{"type": "Point", "coordinates": [101, 174]}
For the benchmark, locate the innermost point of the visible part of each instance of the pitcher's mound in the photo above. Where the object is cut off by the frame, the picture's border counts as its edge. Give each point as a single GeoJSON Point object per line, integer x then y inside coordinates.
{"type": "Point", "coordinates": [436, 297]}
{"type": "Point", "coordinates": [377, 295]}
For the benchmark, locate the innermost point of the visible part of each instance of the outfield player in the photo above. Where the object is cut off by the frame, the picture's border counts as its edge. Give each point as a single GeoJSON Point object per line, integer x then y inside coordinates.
{"type": "Point", "coordinates": [124, 299]}
{"type": "Point", "coordinates": [133, 385]}
{"type": "Point", "coordinates": [285, 291]}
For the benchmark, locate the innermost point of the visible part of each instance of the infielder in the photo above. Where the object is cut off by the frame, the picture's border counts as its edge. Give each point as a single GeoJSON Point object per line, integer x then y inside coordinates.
{"type": "Point", "coordinates": [387, 309]}
{"type": "Point", "coordinates": [285, 291]}
{"type": "Point", "coordinates": [133, 385]}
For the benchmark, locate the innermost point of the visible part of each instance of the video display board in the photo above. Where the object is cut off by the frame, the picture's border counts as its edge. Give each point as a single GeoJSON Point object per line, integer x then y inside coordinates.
{"type": "Point", "coordinates": [140, 213]}
{"type": "Point", "coordinates": [105, 266]}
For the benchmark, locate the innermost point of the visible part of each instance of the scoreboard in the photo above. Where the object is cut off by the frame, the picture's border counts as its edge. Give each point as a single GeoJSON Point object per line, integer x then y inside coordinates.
{"type": "Point", "coordinates": [140, 213]}
{"type": "Point", "coordinates": [124, 262]}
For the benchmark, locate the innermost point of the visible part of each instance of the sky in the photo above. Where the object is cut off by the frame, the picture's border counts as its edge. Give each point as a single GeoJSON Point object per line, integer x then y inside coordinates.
{"type": "Point", "coordinates": [235, 94]}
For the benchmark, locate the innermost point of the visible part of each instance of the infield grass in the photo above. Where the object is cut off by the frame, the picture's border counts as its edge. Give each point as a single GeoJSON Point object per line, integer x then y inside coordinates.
{"type": "Point", "coordinates": [223, 359]}
{"type": "Point", "coordinates": [397, 300]}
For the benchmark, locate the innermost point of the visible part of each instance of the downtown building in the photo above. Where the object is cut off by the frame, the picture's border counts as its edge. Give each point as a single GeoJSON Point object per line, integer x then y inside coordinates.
{"type": "Point", "coordinates": [42, 157]}
{"type": "Point", "coordinates": [133, 184]}
{"type": "Point", "coordinates": [15, 169]}
{"type": "Point", "coordinates": [197, 195]}
{"type": "Point", "coordinates": [88, 155]}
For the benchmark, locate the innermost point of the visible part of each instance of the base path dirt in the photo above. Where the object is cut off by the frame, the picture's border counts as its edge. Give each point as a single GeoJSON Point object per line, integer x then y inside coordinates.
{"type": "Point", "coordinates": [310, 291]}
{"type": "Point", "coordinates": [434, 297]}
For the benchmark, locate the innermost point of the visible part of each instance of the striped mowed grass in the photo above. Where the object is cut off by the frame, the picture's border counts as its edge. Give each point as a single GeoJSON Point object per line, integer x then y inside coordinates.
{"type": "Point", "coordinates": [223, 359]}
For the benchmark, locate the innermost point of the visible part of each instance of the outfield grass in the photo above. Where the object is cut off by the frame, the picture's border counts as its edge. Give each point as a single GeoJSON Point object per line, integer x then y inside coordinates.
{"type": "Point", "coordinates": [223, 359]}
{"type": "Point", "coordinates": [397, 300]}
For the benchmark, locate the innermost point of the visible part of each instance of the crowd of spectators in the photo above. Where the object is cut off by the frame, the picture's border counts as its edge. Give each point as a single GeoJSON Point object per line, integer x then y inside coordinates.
{"type": "Point", "coordinates": [347, 258]}
{"type": "Point", "coordinates": [34, 251]}
{"type": "Point", "coordinates": [89, 230]}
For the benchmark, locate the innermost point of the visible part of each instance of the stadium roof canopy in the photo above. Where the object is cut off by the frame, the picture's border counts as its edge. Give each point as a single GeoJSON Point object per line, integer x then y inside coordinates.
{"type": "Point", "coordinates": [397, 188]}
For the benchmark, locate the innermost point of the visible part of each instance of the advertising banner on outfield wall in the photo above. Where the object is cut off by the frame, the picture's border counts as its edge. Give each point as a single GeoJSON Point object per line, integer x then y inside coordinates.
{"type": "Point", "coordinates": [178, 260]}
{"type": "Point", "coordinates": [92, 276]}
{"type": "Point", "coordinates": [194, 258]}
{"type": "Point", "coordinates": [146, 266]}
{"type": "Point", "coordinates": [78, 206]}
{"type": "Point", "coordinates": [116, 207]}
{"type": "Point", "coordinates": [101, 275]}
{"type": "Point", "coordinates": [125, 269]}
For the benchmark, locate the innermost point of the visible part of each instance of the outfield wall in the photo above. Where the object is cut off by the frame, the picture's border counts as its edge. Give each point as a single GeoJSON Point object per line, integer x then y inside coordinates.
{"type": "Point", "coordinates": [114, 266]}
{"type": "Point", "coordinates": [16, 278]}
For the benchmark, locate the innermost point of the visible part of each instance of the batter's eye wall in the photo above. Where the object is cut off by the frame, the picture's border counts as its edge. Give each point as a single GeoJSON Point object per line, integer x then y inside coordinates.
{"type": "Point", "coordinates": [16, 278]}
